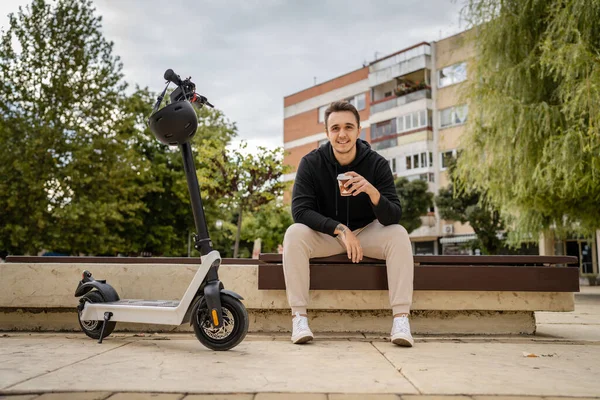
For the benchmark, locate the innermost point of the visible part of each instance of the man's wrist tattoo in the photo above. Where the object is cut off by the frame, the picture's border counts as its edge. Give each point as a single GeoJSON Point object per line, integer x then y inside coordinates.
{"type": "Point", "coordinates": [341, 228]}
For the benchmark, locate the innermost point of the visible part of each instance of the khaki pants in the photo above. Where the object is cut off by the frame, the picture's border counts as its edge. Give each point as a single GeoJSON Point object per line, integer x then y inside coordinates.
{"type": "Point", "coordinates": [390, 243]}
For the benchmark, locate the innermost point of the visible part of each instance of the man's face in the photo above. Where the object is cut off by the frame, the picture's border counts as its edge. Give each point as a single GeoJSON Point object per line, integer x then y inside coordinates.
{"type": "Point", "coordinates": [342, 131]}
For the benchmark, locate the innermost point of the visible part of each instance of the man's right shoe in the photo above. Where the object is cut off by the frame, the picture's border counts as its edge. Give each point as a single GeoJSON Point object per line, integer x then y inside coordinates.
{"type": "Point", "coordinates": [401, 332]}
{"type": "Point", "coordinates": [301, 332]}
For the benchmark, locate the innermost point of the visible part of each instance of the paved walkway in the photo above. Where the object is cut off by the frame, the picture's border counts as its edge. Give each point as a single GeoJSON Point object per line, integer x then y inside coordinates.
{"type": "Point", "coordinates": [562, 359]}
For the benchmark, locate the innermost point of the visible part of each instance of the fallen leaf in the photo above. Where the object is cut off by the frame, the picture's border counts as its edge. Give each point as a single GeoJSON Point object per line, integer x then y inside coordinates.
{"type": "Point", "coordinates": [531, 355]}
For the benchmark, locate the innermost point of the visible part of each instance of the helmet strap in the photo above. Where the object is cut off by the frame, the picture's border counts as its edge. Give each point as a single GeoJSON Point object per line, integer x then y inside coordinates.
{"type": "Point", "coordinates": [160, 99]}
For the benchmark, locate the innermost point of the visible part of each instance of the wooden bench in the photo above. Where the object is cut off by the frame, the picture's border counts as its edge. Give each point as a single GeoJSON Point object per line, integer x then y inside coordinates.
{"type": "Point", "coordinates": [456, 273]}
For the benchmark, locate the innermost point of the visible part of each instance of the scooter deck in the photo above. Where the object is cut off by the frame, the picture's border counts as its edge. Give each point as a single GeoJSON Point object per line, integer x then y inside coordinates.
{"type": "Point", "coordinates": [145, 303]}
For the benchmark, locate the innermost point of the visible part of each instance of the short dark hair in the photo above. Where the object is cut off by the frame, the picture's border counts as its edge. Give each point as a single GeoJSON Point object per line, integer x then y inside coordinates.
{"type": "Point", "coordinates": [341, 106]}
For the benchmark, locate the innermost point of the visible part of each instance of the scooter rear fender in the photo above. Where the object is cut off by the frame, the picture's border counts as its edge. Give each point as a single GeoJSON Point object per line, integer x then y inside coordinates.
{"type": "Point", "coordinates": [107, 291]}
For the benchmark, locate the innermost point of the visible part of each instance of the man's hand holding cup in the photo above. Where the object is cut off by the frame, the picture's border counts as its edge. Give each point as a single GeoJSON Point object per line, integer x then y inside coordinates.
{"type": "Point", "coordinates": [353, 184]}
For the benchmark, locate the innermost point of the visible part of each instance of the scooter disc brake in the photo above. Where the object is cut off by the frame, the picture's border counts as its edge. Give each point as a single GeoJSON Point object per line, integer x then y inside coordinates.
{"type": "Point", "coordinates": [88, 325]}
{"type": "Point", "coordinates": [223, 331]}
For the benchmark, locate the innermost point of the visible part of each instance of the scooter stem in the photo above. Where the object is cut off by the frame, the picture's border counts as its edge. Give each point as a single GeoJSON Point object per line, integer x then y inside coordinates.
{"type": "Point", "coordinates": [202, 241]}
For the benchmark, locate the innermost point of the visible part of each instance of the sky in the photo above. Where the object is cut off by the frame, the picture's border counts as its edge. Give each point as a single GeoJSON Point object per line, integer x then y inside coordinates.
{"type": "Point", "coordinates": [245, 56]}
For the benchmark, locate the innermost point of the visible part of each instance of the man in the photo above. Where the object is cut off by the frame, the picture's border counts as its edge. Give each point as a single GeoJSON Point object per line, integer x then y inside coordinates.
{"type": "Point", "coordinates": [363, 223]}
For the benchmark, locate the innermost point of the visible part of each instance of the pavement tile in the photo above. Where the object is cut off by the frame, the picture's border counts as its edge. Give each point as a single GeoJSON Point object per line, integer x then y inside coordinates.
{"type": "Point", "coordinates": [23, 358]}
{"type": "Point", "coordinates": [571, 398]}
{"type": "Point", "coordinates": [358, 396]}
{"type": "Point", "coordinates": [428, 397]}
{"type": "Point", "coordinates": [569, 331]}
{"type": "Point", "coordinates": [499, 368]}
{"type": "Point", "coordinates": [145, 396]}
{"type": "Point", "coordinates": [167, 366]}
{"type": "Point", "coordinates": [219, 397]}
{"type": "Point", "coordinates": [507, 398]}
{"type": "Point", "coordinates": [75, 396]}
{"type": "Point", "coordinates": [18, 397]}
{"type": "Point", "coordinates": [291, 396]}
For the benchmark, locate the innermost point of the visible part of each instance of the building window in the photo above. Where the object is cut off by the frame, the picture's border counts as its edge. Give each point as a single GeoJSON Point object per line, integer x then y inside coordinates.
{"type": "Point", "coordinates": [363, 134]}
{"type": "Point", "coordinates": [425, 248]}
{"type": "Point", "coordinates": [383, 129]}
{"type": "Point", "coordinates": [385, 144]}
{"type": "Point", "coordinates": [419, 160]}
{"type": "Point", "coordinates": [414, 120]}
{"type": "Point", "coordinates": [322, 113]}
{"type": "Point", "coordinates": [453, 116]}
{"type": "Point", "coordinates": [452, 74]}
{"type": "Point", "coordinates": [387, 94]}
{"type": "Point", "coordinates": [446, 156]}
{"type": "Point", "coordinates": [393, 165]}
{"type": "Point", "coordinates": [359, 101]}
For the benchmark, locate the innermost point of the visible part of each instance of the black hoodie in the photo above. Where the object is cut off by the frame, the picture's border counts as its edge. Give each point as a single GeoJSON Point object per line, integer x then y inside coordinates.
{"type": "Point", "coordinates": [316, 199]}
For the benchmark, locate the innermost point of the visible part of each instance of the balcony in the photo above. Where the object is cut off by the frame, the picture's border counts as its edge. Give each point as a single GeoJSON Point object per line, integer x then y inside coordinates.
{"type": "Point", "coordinates": [402, 63]}
{"type": "Point", "coordinates": [394, 101]}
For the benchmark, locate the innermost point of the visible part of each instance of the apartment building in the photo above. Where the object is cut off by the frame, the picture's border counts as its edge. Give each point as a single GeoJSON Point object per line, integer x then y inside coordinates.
{"type": "Point", "coordinates": [413, 114]}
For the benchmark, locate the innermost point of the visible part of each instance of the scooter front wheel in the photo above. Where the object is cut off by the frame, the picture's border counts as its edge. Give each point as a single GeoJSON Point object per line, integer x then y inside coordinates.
{"type": "Point", "coordinates": [233, 331]}
{"type": "Point", "coordinates": [93, 329]}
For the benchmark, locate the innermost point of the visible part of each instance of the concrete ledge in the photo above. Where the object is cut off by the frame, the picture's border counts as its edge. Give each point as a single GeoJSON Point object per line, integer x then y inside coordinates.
{"type": "Point", "coordinates": [363, 321]}
{"type": "Point", "coordinates": [41, 297]}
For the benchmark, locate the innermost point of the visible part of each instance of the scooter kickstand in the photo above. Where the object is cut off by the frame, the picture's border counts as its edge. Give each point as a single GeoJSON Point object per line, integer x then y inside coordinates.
{"type": "Point", "coordinates": [107, 316]}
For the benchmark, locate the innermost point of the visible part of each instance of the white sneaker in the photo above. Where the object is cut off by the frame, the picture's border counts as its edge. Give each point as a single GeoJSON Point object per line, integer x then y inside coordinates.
{"type": "Point", "coordinates": [301, 332]}
{"type": "Point", "coordinates": [401, 332]}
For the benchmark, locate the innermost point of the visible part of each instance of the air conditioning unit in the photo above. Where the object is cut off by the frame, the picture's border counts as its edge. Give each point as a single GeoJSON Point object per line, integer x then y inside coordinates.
{"type": "Point", "coordinates": [448, 229]}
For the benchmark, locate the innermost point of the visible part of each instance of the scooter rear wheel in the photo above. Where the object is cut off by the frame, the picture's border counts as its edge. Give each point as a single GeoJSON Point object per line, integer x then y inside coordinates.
{"type": "Point", "coordinates": [233, 331]}
{"type": "Point", "coordinates": [93, 329]}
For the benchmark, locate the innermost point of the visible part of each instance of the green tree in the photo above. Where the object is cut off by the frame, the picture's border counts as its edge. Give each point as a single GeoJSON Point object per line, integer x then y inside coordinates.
{"type": "Point", "coordinates": [415, 200]}
{"type": "Point", "coordinates": [69, 178]}
{"type": "Point", "coordinates": [470, 206]}
{"type": "Point", "coordinates": [269, 224]}
{"type": "Point", "coordinates": [241, 182]}
{"type": "Point", "coordinates": [534, 113]}
{"type": "Point", "coordinates": [167, 216]}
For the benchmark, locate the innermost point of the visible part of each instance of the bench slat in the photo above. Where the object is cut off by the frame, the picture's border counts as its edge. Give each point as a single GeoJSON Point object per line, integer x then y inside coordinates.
{"type": "Point", "coordinates": [439, 277]}
{"type": "Point", "coordinates": [442, 260]}
{"type": "Point", "coordinates": [272, 258]}
{"type": "Point", "coordinates": [124, 260]}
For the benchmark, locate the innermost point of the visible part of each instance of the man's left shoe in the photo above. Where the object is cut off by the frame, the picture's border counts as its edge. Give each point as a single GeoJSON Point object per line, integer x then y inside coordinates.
{"type": "Point", "coordinates": [401, 332]}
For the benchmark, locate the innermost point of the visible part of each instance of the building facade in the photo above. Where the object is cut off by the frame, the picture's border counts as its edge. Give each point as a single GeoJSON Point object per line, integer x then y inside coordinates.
{"type": "Point", "coordinates": [413, 113]}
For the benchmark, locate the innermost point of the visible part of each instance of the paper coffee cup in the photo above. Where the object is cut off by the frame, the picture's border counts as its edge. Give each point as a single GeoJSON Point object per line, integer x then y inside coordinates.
{"type": "Point", "coordinates": [342, 179]}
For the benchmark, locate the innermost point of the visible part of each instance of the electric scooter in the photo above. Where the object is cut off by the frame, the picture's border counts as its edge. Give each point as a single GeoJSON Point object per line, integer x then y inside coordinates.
{"type": "Point", "coordinates": [218, 316]}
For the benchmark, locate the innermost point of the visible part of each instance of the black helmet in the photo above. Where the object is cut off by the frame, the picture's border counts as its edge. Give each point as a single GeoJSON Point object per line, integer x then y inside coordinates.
{"type": "Point", "coordinates": [174, 124]}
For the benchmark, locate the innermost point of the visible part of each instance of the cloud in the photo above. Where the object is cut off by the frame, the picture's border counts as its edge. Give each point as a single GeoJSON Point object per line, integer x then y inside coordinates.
{"type": "Point", "coordinates": [246, 55]}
